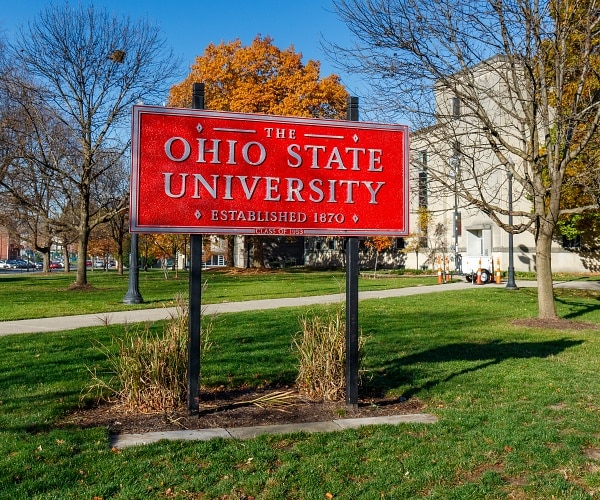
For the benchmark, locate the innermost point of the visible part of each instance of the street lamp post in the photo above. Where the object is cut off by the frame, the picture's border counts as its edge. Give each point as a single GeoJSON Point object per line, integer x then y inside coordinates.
{"type": "Point", "coordinates": [455, 162]}
{"type": "Point", "coordinates": [133, 295]}
{"type": "Point", "coordinates": [510, 285]}
{"type": "Point", "coordinates": [456, 257]}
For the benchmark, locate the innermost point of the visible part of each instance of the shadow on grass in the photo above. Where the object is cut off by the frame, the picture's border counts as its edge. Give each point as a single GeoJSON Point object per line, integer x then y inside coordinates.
{"type": "Point", "coordinates": [578, 309]}
{"type": "Point", "coordinates": [399, 371]}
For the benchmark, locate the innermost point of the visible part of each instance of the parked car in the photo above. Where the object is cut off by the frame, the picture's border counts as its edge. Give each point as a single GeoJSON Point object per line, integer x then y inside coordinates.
{"type": "Point", "coordinates": [17, 264]}
{"type": "Point", "coordinates": [4, 264]}
{"type": "Point", "coordinates": [55, 264]}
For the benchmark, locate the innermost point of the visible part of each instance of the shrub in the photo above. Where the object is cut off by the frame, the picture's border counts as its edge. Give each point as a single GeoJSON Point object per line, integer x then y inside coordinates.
{"type": "Point", "coordinates": [321, 350]}
{"type": "Point", "coordinates": [148, 371]}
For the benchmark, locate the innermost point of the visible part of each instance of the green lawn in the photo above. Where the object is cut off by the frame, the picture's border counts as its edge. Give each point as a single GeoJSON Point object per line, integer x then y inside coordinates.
{"type": "Point", "coordinates": [36, 295]}
{"type": "Point", "coordinates": [518, 409]}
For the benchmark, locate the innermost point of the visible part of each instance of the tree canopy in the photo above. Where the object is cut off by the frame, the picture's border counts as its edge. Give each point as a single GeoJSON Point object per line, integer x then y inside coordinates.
{"type": "Point", "coordinates": [88, 67]}
{"type": "Point", "coordinates": [261, 78]}
{"type": "Point", "coordinates": [527, 101]}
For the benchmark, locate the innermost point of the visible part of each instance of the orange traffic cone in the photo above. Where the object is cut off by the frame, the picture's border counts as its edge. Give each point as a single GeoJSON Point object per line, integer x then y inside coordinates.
{"type": "Point", "coordinates": [440, 281]}
{"type": "Point", "coordinates": [479, 274]}
{"type": "Point", "coordinates": [447, 270]}
{"type": "Point", "coordinates": [498, 276]}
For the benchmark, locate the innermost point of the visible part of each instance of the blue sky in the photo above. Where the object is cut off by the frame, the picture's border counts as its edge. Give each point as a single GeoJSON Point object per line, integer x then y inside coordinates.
{"type": "Point", "coordinates": [190, 25]}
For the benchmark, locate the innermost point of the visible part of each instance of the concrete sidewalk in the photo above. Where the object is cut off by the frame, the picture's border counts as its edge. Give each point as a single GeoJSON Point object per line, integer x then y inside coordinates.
{"type": "Point", "coordinates": [242, 433]}
{"type": "Point", "coordinates": [148, 315]}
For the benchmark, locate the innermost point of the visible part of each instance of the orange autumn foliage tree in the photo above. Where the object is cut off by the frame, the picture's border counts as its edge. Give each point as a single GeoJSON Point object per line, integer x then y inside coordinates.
{"type": "Point", "coordinates": [379, 244]}
{"type": "Point", "coordinates": [261, 78]}
{"type": "Point", "coordinates": [165, 246]}
{"type": "Point", "coordinates": [580, 194]}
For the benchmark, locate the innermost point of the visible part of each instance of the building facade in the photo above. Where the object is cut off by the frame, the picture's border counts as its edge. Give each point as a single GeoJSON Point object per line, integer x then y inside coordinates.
{"type": "Point", "coordinates": [453, 159]}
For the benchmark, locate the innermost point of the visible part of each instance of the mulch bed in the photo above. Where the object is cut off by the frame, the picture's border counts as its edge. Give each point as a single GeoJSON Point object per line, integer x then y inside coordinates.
{"type": "Point", "coordinates": [226, 408]}
{"type": "Point", "coordinates": [556, 324]}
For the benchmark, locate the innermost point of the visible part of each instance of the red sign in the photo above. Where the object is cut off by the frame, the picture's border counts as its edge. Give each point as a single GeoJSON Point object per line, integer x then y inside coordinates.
{"type": "Point", "coordinates": [199, 171]}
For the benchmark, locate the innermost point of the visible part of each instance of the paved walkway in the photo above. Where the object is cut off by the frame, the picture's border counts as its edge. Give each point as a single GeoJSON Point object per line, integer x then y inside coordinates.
{"type": "Point", "coordinates": [143, 315]}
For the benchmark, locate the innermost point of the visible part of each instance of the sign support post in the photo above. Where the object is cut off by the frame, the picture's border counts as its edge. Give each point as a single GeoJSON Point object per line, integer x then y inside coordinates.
{"type": "Point", "coordinates": [195, 299]}
{"type": "Point", "coordinates": [352, 298]}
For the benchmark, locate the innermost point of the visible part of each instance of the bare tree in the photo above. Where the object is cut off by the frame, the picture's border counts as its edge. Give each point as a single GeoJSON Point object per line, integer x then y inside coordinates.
{"type": "Point", "coordinates": [526, 102]}
{"type": "Point", "coordinates": [91, 67]}
{"type": "Point", "coordinates": [31, 195]}
{"type": "Point", "coordinates": [111, 197]}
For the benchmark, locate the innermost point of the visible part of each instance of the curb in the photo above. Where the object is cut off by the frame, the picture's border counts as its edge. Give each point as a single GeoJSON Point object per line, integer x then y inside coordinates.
{"type": "Point", "coordinates": [121, 441]}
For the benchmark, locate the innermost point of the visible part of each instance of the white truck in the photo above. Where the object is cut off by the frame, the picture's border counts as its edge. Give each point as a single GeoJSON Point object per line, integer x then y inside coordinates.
{"type": "Point", "coordinates": [470, 267]}
{"type": "Point", "coordinates": [479, 249]}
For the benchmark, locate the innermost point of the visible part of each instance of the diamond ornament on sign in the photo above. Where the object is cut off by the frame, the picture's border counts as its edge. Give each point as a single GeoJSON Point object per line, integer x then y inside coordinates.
{"type": "Point", "coordinates": [355, 138]}
{"type": "Point", "coordinates": [198, 214]}
{"type": "Point", "coordinates": [199, 128]}
{"type": "Point", "coordinates": [355, 218]}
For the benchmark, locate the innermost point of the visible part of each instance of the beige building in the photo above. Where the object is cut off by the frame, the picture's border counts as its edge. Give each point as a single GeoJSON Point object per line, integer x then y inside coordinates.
{"type": "Point", "coordinates": [452, 156]}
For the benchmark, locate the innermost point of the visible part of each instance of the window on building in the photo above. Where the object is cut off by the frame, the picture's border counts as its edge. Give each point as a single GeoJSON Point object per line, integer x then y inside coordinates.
{"type": "Point", "coordinates": [571, 243]}
{"type": "Point", "coordinates": [455, 107]}
{"type": "Point", "coordinates": [423, 180]}
{"type": "Point", "coordinates": [400, 243]}
{"type": "Point", "coordinates": [456, 151]}
{"type": "Point", "coordinates": [458, 223]}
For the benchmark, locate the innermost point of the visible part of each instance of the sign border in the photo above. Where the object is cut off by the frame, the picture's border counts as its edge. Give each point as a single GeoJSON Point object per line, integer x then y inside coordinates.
{"type": "Point", "coordinates": [139, 110]}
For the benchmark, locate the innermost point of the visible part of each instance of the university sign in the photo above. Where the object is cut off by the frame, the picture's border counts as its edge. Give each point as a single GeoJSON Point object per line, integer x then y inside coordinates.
{"type": "Point", "coordinates": [199, 171]}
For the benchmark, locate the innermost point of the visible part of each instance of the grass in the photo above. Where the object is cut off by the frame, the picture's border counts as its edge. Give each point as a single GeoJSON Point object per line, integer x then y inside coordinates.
{"type": "Point", "coordinates": [518, 410]}
{"type": "Point", "coordinates": [29, 295]}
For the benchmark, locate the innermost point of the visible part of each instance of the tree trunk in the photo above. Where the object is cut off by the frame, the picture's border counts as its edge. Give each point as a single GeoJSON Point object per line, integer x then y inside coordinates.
{"type": "Point", "coordinates": [46, 261]}
{"type": "Point", "coordinates": [84, 224]}
{"type": "Point", "coordinates": [258, 254]}
{"type": "Point", "coordinates": [376, 259]}
{"type": "Point", "coordinates": [230, 250]}
{"type": "Point", "coordinates": [81, 280]}
{"type": "Point", "coordinates": [546, 305]}
{"type": "Point", "coordinates": [67, 268]}
{"type": "Point", "coordinates": [119, 242]}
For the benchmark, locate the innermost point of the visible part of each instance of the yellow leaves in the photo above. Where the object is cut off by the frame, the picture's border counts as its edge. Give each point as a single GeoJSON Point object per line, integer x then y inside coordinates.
{"type": "Point", "coordinates": [379, 243]}
{"type": "Point", "coordinates": [261, 78]}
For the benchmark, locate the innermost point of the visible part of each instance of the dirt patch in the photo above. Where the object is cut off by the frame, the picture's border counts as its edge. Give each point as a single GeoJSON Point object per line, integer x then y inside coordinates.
{"type": "Point", "coordinates": [250, 271]}
{"type": "Point", "coordinates": [226, 408]}
{"type": "Point", "coordinates": [81, 288]}
{"type": "Point", "coordinates": [593, 453]}
{"type": "Point", "coordinates": [555, 324]}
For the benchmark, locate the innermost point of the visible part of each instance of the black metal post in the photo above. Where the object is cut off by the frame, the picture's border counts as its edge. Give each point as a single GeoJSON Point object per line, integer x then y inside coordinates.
{"type": "Point", "coordinates": [195, 300]}
{"type": "Point", "coordinates": [455, 164]}
{"type": "Point", "coordinates": [510, 285]}
{"type": "Point", "coordinates": [133, 295]}
{"type": "Point", "coordinates": [457, 267]}
{"type": "Point", "coordinates": [352, 299]}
